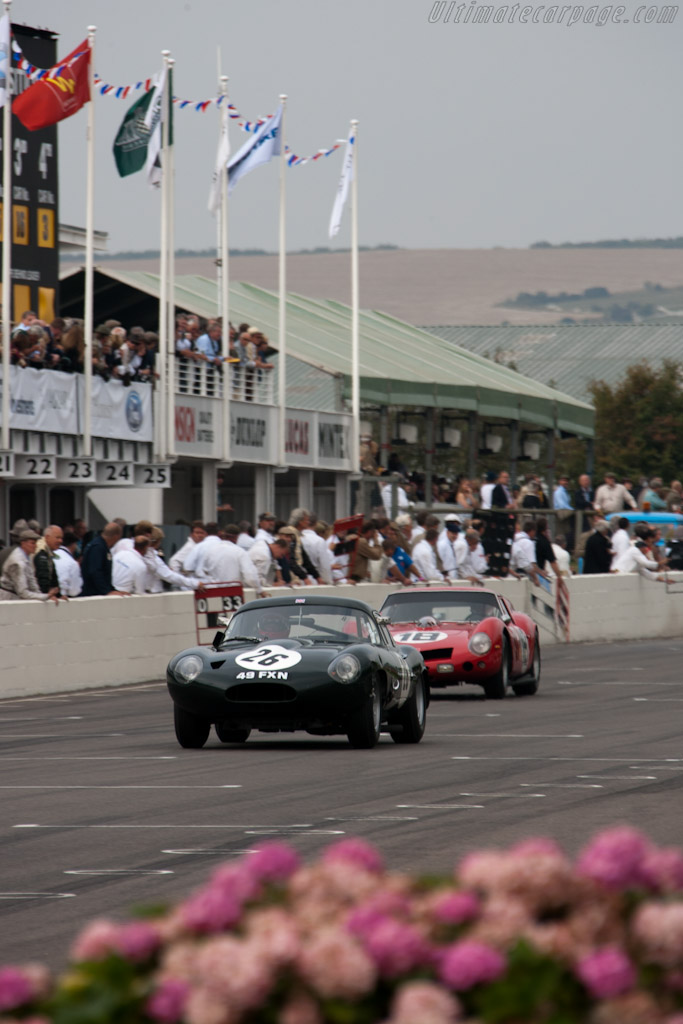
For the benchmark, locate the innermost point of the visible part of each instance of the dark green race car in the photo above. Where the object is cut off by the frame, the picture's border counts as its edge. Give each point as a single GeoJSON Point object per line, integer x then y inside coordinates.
{"type": "Point", "coordinates": [324, 665]}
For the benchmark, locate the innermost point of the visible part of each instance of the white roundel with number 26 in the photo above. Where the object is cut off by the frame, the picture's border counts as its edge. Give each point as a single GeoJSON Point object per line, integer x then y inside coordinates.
{"type": "Point", "coordinates": [416, 637]}
{"type": "Point", "coordinates": [268, 656]}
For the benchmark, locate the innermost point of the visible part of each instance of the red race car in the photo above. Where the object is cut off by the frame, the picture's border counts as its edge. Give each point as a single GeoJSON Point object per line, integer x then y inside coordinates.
{"type": "Point", "coordinates": [468, 635]}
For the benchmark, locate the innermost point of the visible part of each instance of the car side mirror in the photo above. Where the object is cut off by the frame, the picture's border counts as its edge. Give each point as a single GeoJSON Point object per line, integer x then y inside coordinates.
{"type": "Point", "coordinates": [384, 620]}
{"type": "Point", "coordinates": [218, 639]}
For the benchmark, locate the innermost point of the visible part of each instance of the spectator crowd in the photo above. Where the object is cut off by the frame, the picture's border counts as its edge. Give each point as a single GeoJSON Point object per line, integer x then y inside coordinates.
{"type": "Point", "coordinates": [504, 535]}
{"type": "Point", "coordinates": [129, 354]}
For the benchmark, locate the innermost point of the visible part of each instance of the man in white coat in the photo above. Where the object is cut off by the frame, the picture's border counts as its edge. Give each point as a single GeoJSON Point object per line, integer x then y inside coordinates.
{"type": "Point", "coordinates": [197, 535]}
{"type": "Point", "coordinates": [194, 563]}
{"type": "Point", "coordinates": [424, 556]}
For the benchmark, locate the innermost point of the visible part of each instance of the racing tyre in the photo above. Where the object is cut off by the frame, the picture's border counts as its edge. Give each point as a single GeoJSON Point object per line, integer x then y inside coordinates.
{"type": "Point", "coordinates": [364, 725]}
{"type": "Point", "coordinates": [191, 732]}
{"type": "Point", "coordinates": [495, 687]}
{"type": "Point", "coordinates": [408, 726]}
{"type": "Point", "coordinates": [530, 685]}
{"type": "Point", "coordinates": [228, 735]}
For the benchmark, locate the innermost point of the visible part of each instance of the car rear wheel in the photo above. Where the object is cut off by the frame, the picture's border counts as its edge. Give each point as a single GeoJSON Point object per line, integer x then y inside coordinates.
{"type": "Point", "coordinates": [191, 732]}
{"type": "Point", "coordinates": [227, 734]}
{"type": "Point", "coordinates": [530, 686]}
{"type": "Point", "coordinates": [495, 687]}
{"type": "Point", "coordinates": [408, 726]}
{"type": "Point", "coordinates": [364, 725]}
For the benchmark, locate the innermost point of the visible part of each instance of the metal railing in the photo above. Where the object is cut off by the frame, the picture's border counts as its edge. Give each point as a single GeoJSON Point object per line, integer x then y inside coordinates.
{"type": "Point", "coordinates": [246, 384]}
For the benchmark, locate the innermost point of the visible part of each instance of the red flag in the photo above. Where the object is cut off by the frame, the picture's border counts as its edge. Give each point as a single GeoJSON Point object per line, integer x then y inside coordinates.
{"type": "Point", "coordinates": [50, 100]}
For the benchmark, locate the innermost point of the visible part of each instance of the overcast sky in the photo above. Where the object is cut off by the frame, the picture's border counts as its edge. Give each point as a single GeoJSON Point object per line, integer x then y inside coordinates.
{"type": "Point", "coordinates": [470, 135]}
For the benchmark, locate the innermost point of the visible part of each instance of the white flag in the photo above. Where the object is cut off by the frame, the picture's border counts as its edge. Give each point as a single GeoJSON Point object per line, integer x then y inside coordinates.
{"type": "Point", "coordinates": [259, 149]}
{"type": "Point", "coordinates": [4, 58]}
{"type": "Point", "coordinates": [153, 119]}
{"type": "Point", "coordinates": [343, 188]}
{"type": "Point", "coordinates": [222, 157]}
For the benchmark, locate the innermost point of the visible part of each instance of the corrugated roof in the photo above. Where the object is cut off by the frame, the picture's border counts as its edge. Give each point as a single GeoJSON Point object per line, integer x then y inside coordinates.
{"type": "Point", "coordinates": [570, 356]}
{"type": "Point", "coordinates": [399, 364]}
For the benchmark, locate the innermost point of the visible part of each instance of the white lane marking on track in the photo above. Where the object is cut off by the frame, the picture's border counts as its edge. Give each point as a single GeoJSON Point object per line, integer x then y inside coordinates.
{"type": "Point", "coordinates": [117, 871]}
{"type": "Point", "coordinates": [99, 757]}
{"type": "Point", "coordinates": [492, 714]}
{"type": "Point", "coordinates": [515, 795]}
{"type": "Point", "coordinates": [564, 785]}
{"type": "Point", "coordinates": [610, 778]}
{"type": "Point", "coordinates": [36, 895]}
{"type": "Point", "coordinates": [442, 807]}
{"type": "Point", "coordinates": [61, 718]}
{"type": "Point", "coordinates": [540, 757]}
{"type": "Point", "coordinates": [184, 825]}
{"type": "Point", "coordinates": [659, 700]}
{"type": "Point", "coordinates": [288, 831]}
{"type": "Point", "coordinates": [513, 735]}
{"type": "Point", "coordinates": [226, 786]}
{"type": "Point", "coordinates": [208, 853]}
{"type": "Point", "coordinates": [377, 817]}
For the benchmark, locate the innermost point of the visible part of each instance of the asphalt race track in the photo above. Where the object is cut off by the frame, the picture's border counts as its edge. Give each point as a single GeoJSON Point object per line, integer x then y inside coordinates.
{"type": "Point", "coordinates": [103, 811]}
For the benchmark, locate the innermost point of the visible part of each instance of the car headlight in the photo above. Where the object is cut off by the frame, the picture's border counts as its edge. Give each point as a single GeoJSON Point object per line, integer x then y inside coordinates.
{"type": "Point", "coordinates": [345, 669]}
{"type": "Point", "coordinates": [480, 643]}
{"type": "Point", "coordinates": [188, 668]}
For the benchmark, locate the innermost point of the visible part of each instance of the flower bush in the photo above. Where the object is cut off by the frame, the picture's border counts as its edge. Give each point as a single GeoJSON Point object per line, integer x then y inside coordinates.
{"type": "Point", "coordinates": [519, 936]}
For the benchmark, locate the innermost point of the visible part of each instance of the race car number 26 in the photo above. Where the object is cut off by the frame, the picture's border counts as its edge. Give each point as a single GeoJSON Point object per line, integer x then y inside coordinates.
{"type": "Point", "coordinates": [269, 656]}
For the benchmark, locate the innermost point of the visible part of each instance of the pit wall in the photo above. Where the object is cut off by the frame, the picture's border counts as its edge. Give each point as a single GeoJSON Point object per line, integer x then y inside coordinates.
{"type": "Point", "coordinates": [110, 641]}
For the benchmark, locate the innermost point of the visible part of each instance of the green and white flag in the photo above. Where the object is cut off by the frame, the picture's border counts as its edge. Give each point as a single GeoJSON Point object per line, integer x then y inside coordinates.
{"type": "Point", "coordinates": [138, 141]}
{"type": "Point", "coordinates": [132, 140]}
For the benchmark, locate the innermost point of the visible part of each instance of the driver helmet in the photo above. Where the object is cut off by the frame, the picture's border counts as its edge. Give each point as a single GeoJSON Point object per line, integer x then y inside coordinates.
{"type": "Point", "coordinates": [427, 622]}
{"type": "Point", "coordinates": [272, 625]}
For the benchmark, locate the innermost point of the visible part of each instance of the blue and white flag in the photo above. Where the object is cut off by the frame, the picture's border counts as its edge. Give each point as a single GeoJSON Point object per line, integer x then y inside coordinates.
{"type": "Point", "coordinates": [259, 149]}
{"type": "Point", "coordinates": [4, 58]}
{"type": "Point", "coordinates": [343, 188]}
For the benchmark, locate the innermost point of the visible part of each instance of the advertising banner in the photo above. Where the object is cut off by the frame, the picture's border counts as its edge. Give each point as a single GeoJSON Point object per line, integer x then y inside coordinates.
{"type": "Point", "coordinates": [117, 412]}
{"type": "Point", "coordinates": [252, 433]}
{"type": "Point", "coordinates": [300, 437]}
{"type": "Point", "coordinates": [198, 426]}
{"type": "Point", "coordinates": [334, 436]}
{"type": "Point", "coordinates": [42, 400]}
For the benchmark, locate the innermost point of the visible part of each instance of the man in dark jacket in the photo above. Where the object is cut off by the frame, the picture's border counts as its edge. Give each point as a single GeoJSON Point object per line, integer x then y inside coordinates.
{"type": "Point", "coordinates": [44, 560]}
{"type": "Point", "coordinates": [598, 556]}
{"type": "Point", "coordinates": [96, 563]}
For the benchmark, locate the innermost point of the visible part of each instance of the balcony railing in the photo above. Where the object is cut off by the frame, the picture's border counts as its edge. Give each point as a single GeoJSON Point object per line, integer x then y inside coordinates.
{"type": "Point", "coordinates": [246, 384]}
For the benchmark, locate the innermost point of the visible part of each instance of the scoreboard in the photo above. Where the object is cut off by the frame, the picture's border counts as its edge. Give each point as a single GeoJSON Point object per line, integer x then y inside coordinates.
{"type": "Point", "coordinates": [35, 206]}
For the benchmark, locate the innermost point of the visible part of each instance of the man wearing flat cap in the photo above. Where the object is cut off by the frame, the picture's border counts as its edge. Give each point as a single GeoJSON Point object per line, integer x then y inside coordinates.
{"type": "Point", "coordinates": [18, 581]}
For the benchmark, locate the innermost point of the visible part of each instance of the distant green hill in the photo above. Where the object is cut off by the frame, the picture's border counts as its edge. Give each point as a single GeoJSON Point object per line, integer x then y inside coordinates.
{"type": "Point", "coordinates": [616, 243]}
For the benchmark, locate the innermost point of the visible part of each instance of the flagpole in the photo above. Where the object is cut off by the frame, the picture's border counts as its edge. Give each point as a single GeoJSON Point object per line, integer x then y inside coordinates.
{"type": "Point", "coordinates": [170, 320]}
{"type": "Point", "coordinates": [6, 247]}
{"type": "Point", "coordinates": [160, 440]}
{"type": "Point", "coordinates": [89, 240]}
{"type": "Point", "coordinates": [225, 283]}
{"type": "Point", "coordinates": [355, 377]}
{"type": "Point", "coordinates": [282, 352]}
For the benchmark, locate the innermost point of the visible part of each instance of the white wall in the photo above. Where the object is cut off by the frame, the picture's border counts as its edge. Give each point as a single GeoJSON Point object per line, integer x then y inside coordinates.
{"type": "Point", "coordinates": [110, 641]}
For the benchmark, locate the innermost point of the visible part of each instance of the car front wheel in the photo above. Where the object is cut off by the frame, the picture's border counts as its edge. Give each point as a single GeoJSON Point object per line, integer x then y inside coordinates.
{"type": "Point", "coordinates": [364, 725]}
{"type": "Point", "coordinates": [191, 732]}
{"type": "Point", "coordinates": [227, 734]}
{"type": "Point", "coordinates": [408, 726]}
{"type": "Point", "coordinates": [495, 687]}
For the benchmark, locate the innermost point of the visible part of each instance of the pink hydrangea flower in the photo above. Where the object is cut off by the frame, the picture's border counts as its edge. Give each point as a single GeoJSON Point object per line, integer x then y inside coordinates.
{"type": "Point", "coordinates": [335, 966]}
{"type": "Point", "coordinates": [606, 973]}
{"type": "Point", "coordinates": [272, 862]}
{"type": "Point", "coordinates": [662, 869]}
{"type": "Point", "coordinates": [300, 1009]}
{"type": "Point", "coordinates": [456, 907]}
{"type": "Point", "coordinates": [219, 904]}
{"type": "Point", "coordinates": [396, 947]}
{"type": "Point", "coordinates": [465, 964]}
{"type": "Point", "coordinates": [167, 1003]}
{"type": "Point", "coordinates": [424, 1002]}
{"type": "Point", "coordinates": [137, 941]}
{"type": "Point", "coordinates": [356, 852]}
{"type": "Point", "coordinates": [96, 941]}
{"type": "Point", "coordinates": [15, 988]}
{"type": "Point", "coordinates": [616, 857]}
{"type": "Point", "coordinates": [537, 845]}
{"type": "Point", "coordinates": [659, 930]}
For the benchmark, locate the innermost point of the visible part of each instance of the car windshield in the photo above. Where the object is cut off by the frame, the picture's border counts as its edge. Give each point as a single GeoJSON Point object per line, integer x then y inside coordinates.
{"type": "Point", "coordinates": [318, 622]}
{"type": "Point", "coordinates": [462, 606]}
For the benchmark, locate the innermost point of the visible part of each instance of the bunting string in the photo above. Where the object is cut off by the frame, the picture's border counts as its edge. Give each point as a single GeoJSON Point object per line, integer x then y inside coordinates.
{"type": "Point", "coordinates": [122, 92]}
